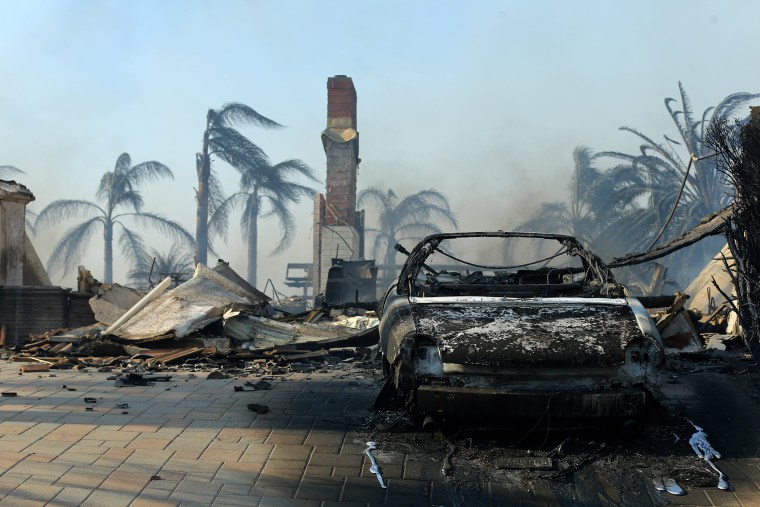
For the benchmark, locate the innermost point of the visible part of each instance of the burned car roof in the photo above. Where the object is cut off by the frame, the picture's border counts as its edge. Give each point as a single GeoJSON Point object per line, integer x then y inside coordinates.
{"type": "Point", "coordinates": [598, 277]}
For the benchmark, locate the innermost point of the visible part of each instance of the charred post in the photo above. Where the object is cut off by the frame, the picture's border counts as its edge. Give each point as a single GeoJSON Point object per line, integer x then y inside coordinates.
{"type": "Point", "coordinates": [737, 147]}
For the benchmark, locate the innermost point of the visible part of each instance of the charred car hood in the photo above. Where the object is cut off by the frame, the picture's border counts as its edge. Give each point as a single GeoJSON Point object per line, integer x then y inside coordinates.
{"type": "Point", "coordinates": [518, 332]}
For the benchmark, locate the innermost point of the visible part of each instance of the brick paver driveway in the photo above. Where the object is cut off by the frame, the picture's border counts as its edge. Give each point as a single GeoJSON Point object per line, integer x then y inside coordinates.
{"type": "Point", "coordinates": [192, 441]}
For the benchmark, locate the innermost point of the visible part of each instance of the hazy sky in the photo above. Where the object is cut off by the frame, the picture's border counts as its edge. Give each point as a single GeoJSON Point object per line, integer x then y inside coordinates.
{"type": "Point", "coordinates": [482, 100]}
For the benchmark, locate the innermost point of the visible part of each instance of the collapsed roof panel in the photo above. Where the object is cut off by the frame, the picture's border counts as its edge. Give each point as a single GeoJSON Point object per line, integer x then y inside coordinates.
{"type": "Point", "coordinates": [193, 305]}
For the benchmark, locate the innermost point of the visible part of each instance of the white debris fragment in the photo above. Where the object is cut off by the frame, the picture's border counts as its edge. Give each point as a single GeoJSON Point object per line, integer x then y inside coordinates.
{"type": "Point", "coordinates": [723, 483]}
{"type": "Point", "coordinates": [358, 322]}
{"type": "Point", "coordinates": [701, 446]}
{"type": "Point", "coordinates": [374, 468]}
{"type": "Point", "coordinates": [705, 451]}
{"type": "Point", "coordinates": [672, 487]}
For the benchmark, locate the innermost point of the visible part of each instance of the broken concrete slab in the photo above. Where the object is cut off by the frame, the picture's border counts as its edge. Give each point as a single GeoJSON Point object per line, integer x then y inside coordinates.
{"type": "Point", "coordinates": [112, 301]}
{"type": "Point", "coordinates": [148, 298]}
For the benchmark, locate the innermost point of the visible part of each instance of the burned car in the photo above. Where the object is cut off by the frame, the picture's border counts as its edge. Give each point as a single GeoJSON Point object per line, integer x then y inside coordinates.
{"type": "Point", "coordinates": [546, 334]}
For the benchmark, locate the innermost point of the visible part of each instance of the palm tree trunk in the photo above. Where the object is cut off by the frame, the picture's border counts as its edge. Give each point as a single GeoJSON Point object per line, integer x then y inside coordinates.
{"type": "Point", "coordinates": [253, 239]}
{"type": "Point", "coordinates": [108, 252]}
{"type": "Point", "coordinates": [203, 167]}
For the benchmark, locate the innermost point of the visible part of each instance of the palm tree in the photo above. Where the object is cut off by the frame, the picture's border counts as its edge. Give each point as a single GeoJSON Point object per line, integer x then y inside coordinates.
{"type": "Point", "coordinates": [177, 263]}
{"type": "Point", "coordinates": [578, 216]}
{"type": "Point", "coordinates": [118, 189]}
{"type": "Point", "coordinates": [664, 169]}
{"type": "Point", "coordinates": [265, 190]}
{"type": "Point", "coordinates": [222, 140]}
{"type": "Point", "coordinates": [599, 201]}
{"type": "Point", "coordinates": [689, 179]}
{"type": "Point", "coordinates": [415, 217]}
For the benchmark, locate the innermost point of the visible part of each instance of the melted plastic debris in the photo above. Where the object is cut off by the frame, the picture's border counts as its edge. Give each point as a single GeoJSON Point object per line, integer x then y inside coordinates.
{"type": "Point", "coordinates": [672, 487]}
{"type": "Point", "coordinates": [701, 446]}
{"type": "Point", "coordinates": [706, 451]}
{"type": "Point", "coordinates": [374, 467]}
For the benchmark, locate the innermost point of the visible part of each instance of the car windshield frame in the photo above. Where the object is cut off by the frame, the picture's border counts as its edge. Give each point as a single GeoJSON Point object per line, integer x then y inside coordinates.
{"type": "Point", "coordinates": [594, 269]}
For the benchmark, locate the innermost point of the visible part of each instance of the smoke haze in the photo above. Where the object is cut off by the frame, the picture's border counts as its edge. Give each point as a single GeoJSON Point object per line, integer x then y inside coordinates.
{"type": "Point", "coordinates": [483, 101]}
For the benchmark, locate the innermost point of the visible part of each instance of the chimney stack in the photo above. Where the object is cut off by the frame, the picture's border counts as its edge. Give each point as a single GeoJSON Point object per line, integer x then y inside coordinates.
{"type": "Point", "coordinates": [340, 140]}
{"type": "Point", "coordinates": [338, 227]}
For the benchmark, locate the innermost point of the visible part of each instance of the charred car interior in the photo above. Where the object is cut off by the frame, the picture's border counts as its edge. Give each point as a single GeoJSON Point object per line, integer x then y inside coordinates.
{"type": "Point", "coordinates": [516, 326]}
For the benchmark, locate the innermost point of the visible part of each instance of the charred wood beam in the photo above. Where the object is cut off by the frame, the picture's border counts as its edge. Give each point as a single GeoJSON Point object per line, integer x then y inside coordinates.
{"type": "Point", "coordinates": [712, 225]}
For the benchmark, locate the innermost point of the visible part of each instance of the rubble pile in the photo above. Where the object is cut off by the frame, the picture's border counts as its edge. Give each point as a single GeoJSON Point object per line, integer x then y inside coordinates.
{"type": "Point", "coordinates": [215, 322]}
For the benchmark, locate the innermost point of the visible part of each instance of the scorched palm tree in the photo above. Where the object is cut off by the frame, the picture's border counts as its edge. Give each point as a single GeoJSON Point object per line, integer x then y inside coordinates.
{"type": "Point", "coordinates": [664, 166]}
{"type": "Point", "coordinates": [265, 190]}
{"type": "Point", "coordinates": [679, 177]}
{"type": "Point", "coordinates": [151, 268]}
{"type": "Point", "coordinates": [599, 201]}
{"type": "Point", "coordinates": [118, 198]}
{"type": "Point", "coordinates": [415, 217]}
{"type": "Point", "coordinates": [222, 140]}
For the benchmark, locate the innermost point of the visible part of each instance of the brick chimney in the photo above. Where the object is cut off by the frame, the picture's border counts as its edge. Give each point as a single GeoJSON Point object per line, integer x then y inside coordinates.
{"type": "Point", "coordinates": [338, 227]}
{"type": "Point", "coordinates": [341, 100]}
{"type": "Point", "coordinates": [341, 143]}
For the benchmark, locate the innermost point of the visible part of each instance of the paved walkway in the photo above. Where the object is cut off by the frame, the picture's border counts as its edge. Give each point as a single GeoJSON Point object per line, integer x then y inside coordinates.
{"type": "Point", "coordinates": [192, 441]}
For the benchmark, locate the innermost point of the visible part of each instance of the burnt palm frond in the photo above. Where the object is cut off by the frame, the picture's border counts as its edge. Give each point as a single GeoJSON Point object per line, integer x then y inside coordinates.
{"type": "Point", "coordinates": [117, 189]}
{"type": "Point", "coordinates": [234, 148]}
{"type": "Point", "coordinates": [235, 113]}
{"type": "Point", "coordinates": [29, 219]}
{"type": "Point", "coordinates": [666, 168]}
{"type": "Point", "coordinates": [132, 244]}
{"type": "Point", "coordinates": [7, 171]}
{"type": "Point", "coordinates": [549, 217]}
{"type": "Point", "coordinates": [215, 192]}
{"type": "Point", "coordinates": [412, 218]}
{"type": "Point", "coordinates": [177, 262]}
{"type": "Point", "coordinates": [383, 199]}
{"type": "Point", "coordinates": [65, 209]}
{"type": "Point", "coordinates": [219, 222]}
{"type": "Point", "coordinates": [163, 225]}
{"type": "Point", "coordinates": [148, 172]}
{"type": "Point", "coordinates": [68, 251]}
{"type": "Point", "coordinates": [279, 208]}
